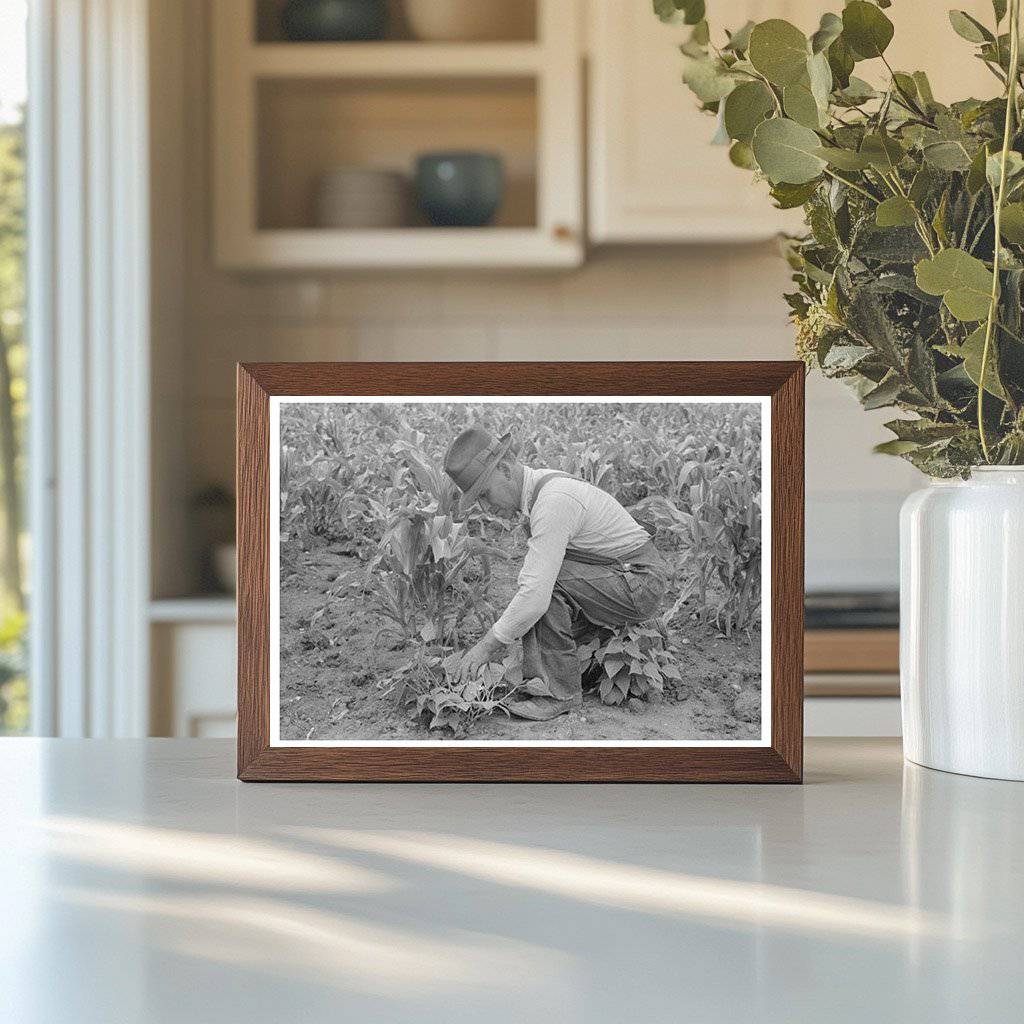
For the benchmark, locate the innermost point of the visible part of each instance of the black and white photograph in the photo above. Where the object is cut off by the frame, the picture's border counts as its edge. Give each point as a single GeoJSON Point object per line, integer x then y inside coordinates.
{"type": "Point", "coordinates": [517, 571]}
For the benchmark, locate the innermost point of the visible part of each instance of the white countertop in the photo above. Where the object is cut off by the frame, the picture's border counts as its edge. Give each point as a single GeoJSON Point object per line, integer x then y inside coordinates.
{"type": "Point", "coordinates": [140, 882]}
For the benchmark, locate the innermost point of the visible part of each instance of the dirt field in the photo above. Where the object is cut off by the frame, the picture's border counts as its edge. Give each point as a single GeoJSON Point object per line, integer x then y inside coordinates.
{"type": "Point", "coordinates": [331, 668]}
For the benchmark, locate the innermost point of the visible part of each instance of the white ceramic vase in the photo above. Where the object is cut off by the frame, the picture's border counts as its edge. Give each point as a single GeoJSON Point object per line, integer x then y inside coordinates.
{"type": "Point", "coordinates": [962, 624]}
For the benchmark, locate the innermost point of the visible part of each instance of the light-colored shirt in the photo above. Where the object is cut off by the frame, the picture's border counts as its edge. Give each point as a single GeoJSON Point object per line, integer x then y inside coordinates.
{"type": "Point", "coordinates": [567, 513]}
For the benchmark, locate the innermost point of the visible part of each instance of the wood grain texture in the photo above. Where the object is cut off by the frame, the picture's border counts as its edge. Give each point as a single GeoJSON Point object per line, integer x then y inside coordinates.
{"type": "Point", "coordinates": [253, 538]}
{"type": "Point", "coordinates": [781, 762]}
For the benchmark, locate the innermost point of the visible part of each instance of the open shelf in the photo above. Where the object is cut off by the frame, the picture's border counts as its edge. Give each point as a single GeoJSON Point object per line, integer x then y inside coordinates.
{"type": "Point", "coordinates": [406, 248]}
{"type": "Point", "coordinates": [307, 128]}
{"type": "Point", "coordinates": [520, 22]}
{"type": "Point", "coordinates": [286, 114]}
{"type": "Point", "coordinates": [393, 60]}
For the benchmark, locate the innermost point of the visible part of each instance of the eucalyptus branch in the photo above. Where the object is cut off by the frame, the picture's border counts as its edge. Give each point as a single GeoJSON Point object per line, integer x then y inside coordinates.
{"type": "Point", "coordinates": [909, 100]}
{"type": "Point", "coordinates": [1011, 109]}
{"type": "Point", "coordinates": [769, 87]}
{"type": "Point", "coordinates": [853, 185]}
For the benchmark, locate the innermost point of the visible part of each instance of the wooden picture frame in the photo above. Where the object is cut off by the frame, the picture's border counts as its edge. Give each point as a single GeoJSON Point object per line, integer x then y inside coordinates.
{"type": "Point", "coordinates": [778, 759]}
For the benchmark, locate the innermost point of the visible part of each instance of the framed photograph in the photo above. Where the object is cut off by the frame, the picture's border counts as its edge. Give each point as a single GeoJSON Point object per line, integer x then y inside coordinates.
{"type": "Point", "coordinates": [578, 572]}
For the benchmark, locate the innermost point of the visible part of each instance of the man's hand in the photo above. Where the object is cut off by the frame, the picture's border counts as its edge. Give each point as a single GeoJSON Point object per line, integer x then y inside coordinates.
{"type": "Point", "coordinates": [483, 652]}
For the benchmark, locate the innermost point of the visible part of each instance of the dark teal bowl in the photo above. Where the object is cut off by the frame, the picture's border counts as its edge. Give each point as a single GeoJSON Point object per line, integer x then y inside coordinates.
{"type": "Point", "coordinates": [334, 21]}
{"type": "Point", "coordinates": [460, 190]}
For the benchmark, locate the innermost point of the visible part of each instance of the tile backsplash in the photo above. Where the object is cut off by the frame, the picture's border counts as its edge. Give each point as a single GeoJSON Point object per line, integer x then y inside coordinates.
{"type": "Point", "coordinates": [708, 303]}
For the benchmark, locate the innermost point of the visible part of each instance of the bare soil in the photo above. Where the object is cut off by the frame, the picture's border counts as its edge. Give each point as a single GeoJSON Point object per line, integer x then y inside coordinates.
{"type": "Point", "coordinates": [332, 665]}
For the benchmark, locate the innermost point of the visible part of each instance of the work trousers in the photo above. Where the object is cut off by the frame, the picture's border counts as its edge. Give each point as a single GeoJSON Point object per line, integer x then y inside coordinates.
{"type": "Point", "coordinates": [587, 597]}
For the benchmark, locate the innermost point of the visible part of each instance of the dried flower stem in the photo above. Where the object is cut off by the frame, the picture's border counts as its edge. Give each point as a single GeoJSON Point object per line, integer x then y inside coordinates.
{"type": "Point", "coordinates": [1011, 111]}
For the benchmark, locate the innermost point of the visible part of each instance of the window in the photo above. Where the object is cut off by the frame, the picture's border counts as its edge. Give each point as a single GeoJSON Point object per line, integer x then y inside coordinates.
{"type": "Point", "coordinates": [14, 694]}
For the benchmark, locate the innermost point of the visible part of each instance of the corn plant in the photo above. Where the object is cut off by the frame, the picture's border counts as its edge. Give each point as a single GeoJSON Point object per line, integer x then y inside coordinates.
{"type": "Point", "coordinates": [429, 577]}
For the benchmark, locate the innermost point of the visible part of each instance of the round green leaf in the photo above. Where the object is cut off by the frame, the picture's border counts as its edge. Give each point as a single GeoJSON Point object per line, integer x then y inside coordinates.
{"type": "Point", "coordinates": [971, 351]}
{"type": "Point", "coordinates": [745, 108]}
{"type": "Point", "coordinates": [895, 212]}
{"type": "Point", "coordinates": [786, 151]}
{"type": "Point", "coordinates": [779, 51]}
{"type": "Point", "coordinates": [947, 156]}
{"type": "Point", "coordinates": [866, 29]}
{"type": "Point", "coordinates": [963, 281]}
{"type": "Point", "coordinates": [741, 155]}
{"type": "Point", "coordinates": [800, 105]}
{"type": "Point", "coordinates": [707, 79]}
{"type": "Point", "coordinates": [840, 62]}
{"type": "Point", "coordinates": [788, 197]}
{"type": "Point", "coordinates": [829, 29]}
{"type": "Point", "coordinates": [1011, 226]}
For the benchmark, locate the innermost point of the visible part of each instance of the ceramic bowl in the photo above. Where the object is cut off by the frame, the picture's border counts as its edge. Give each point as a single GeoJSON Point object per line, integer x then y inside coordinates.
{"type": "Point", "coordinates": [359, 197]}
{"type": "Point", "coordinates": [458, 189]}
{"type": "Point", "coordinates": [333, 21]}
{"type": "Point", "coordinates": [470, 20]}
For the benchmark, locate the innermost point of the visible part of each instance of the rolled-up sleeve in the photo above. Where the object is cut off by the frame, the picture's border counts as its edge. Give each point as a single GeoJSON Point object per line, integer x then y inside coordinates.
{"type": "Point", "coordinates": [556, 517]}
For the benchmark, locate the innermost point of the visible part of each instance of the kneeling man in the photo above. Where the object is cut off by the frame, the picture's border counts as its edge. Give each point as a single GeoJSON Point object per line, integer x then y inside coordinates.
{"type": "Point", "coordinates": [589, 564]}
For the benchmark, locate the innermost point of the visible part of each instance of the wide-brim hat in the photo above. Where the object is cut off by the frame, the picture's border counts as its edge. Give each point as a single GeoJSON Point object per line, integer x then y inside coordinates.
{"type": "Point", "coordinates": [471, 459]}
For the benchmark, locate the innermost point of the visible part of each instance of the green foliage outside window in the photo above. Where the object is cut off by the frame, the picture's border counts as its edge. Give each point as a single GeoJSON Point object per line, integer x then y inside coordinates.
{"type": "Point", "coordinates": [13, 412]}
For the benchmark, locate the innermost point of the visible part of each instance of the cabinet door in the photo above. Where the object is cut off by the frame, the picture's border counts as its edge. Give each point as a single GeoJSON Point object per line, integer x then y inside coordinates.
{"type": "Point", "coordinates": [653, 174]}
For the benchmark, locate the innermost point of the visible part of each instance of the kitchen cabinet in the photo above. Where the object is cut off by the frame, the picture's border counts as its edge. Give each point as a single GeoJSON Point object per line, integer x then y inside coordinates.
{"type": "Point", "coordinates": [287, 114]}
{"type": "Point", "coordinates": [654, 177]}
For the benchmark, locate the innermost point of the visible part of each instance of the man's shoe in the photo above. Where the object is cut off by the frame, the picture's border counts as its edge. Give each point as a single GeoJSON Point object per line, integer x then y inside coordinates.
{"type": "Point", "coordinates": [542, 709]}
